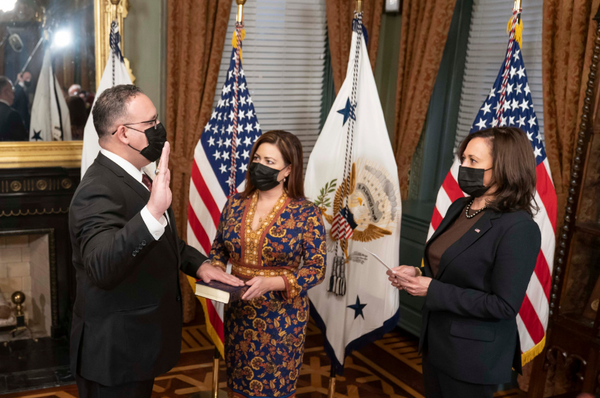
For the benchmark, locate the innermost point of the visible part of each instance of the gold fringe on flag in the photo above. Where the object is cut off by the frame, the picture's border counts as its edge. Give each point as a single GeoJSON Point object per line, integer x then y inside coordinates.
{"type": "Point", "coordinates": [518, 30]}
{"type": "Point", "coordinates": [214, 336]}
{"type": "Point", "coordinates": [234, 42]}
{"type": "Point", "coordinates": [532, 353]}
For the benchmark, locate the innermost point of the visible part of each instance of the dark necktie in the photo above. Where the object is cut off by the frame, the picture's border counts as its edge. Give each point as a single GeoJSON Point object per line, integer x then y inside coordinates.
{"type": "Point", "coordinates": [147, 181]}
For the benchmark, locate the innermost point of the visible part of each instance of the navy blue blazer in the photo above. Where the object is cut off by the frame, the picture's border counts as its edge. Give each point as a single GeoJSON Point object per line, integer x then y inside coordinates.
{"type": "Point", "coordinates": [469, 327]}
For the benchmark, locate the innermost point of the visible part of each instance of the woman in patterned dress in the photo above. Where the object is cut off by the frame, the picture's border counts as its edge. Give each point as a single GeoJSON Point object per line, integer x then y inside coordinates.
{"type": "Point", "coordinates": [275, 240]}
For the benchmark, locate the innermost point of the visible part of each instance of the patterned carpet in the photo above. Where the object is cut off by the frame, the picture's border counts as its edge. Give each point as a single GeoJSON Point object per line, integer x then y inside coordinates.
{"type": "Point", "coordinates": [389, 368]}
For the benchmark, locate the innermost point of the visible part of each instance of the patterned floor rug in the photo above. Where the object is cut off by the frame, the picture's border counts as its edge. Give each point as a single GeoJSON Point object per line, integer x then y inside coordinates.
{"type": "Point", "coordinates": [389, 368]}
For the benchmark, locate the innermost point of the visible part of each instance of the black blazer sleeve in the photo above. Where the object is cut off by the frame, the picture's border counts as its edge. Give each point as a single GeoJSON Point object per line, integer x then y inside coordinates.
{"type": "Point", "coordinates": [111, 248]}
{"type": "Point", "coordinates": [191, 259]}
{"type": "Point", "coordinates": [514, 262]}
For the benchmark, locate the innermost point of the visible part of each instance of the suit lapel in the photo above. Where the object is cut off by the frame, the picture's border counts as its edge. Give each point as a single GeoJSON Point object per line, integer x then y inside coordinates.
{"type": "Point", "coordinates": [127, 179]}
{"type": "Point", "coordinates": [481, 227]}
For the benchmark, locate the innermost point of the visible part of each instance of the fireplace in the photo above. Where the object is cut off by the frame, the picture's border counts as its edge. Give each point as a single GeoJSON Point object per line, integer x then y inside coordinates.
{"type": "Point", "coordinates": [35, 259]}
{"type": "Point", "coordinates": [28, 265]}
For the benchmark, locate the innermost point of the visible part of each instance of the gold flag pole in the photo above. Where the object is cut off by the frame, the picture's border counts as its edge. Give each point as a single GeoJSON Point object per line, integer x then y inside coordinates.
{"type": "Point", "coordinates": [240, 12]}
{"type": "Point", "coordinates": [216, 393]}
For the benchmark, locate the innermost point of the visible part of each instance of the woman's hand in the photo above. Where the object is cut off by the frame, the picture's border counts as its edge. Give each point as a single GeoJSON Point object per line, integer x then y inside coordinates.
{"type": "Point", "coordinates": [403, 270]}
{"type": "Point", "coordinates": [207, 272]}
{"type": "Point", "coordinates": [415, 286]}
{"type": "Point", "coordinates": [259, 285]}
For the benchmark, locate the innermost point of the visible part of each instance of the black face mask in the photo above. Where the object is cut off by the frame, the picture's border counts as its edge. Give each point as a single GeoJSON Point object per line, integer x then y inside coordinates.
{"type": "Point", "coordinates": [157, 136]}
{"type": "Point", "coordinates": [27, 83]}
{"type": "Point", "coordinates": [263, 177]}
{"type": "Point", "coordinates": [470, 180]}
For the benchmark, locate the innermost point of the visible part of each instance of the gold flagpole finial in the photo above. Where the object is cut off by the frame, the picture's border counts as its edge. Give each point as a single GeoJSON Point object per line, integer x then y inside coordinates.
{"type": "Point", "coordinates": [359, 6]}
{"type": "Point", "coordinates": [240, 12]}
{"type": "Point", "coordinates": [517, 5]}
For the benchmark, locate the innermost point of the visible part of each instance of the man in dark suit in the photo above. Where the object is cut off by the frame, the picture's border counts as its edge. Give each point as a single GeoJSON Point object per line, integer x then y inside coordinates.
{"type": "Point", "coordinates": [11, 124]}
{"type": "Point", "coordinates": [127, 315]}
{"type": "Point", "coordinates": [21, 104]}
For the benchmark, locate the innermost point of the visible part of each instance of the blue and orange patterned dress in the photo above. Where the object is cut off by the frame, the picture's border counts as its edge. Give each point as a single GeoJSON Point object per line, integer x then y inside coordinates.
{"type": "Point", "coordinates": [264, 337]}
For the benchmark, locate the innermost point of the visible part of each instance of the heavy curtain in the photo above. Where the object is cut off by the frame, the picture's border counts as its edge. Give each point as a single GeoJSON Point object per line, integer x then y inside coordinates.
{"type": "Point", "coordinates": [425, 25]}
{"type": "Point", "coordinates": [196, 36]}
{"type": "Point", "coordinates": [568, 35]}
{"type": "Point", "coordinates": [339, 22]}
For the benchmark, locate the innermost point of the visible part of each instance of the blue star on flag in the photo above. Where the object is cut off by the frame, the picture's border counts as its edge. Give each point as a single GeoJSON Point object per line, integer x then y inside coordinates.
{"type": "Point", "coordinates": [36, 135]}
{"type": "Point", "coordinates": [358, 308]}
{"type": "Point", "coordinates": [348, 112]}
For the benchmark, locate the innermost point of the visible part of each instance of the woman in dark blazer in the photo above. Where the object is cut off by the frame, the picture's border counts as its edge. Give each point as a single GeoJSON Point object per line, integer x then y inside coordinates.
{"type": "Point", "coordinates": [477, 267]}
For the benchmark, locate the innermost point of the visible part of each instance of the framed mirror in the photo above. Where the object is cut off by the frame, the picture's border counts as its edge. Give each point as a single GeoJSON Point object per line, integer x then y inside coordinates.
{"type": "Point", "coordinates": [52, 55]}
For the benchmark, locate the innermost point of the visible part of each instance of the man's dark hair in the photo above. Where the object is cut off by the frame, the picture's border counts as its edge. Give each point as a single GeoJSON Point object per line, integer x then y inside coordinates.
{"type": "Point", "coordinates": [111, 106]}
{"type": "Point", "coordinates": [4, 81]}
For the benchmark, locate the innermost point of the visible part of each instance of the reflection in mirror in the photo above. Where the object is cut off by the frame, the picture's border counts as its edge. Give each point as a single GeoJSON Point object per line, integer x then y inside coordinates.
{"type": "Point", "coordinates": [47, 69]}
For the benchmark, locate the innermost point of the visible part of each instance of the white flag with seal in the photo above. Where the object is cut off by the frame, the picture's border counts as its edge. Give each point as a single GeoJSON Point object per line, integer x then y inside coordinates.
{"type": "Point", "coordinates": [353, 178]}
{"type": "Point", "coordinates": [115, 73]}
{"type": "Point", "coordinates": [50, 120]}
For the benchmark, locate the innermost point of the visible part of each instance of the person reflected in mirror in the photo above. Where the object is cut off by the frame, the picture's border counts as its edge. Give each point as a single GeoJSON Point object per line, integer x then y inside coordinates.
{"type": "Point", "coordinates": [11, 123]}
{"type": "Point", "coordinates": [74, 90]}
{"type": "Point", "coordinates": [22, 90]}
{"type": "Point", "coordinates": [78, 113]}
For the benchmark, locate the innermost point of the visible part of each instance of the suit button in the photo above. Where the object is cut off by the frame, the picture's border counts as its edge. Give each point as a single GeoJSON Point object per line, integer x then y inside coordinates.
{"type": "Point", "coordinates": [143, 243]}
{"type": "Point", "coordinates": [135, 252]}
{"type": "Point", "coordinates": [178, 298]}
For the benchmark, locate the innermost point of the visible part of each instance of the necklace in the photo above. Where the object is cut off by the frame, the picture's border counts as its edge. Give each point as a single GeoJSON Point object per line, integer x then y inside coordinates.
{"type": "Point", "coordinates": [476, 212]}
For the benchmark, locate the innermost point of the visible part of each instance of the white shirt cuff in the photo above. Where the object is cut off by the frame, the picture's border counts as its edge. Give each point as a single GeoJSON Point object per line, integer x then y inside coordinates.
{"type": "Point", "coordinates": [156, 227]}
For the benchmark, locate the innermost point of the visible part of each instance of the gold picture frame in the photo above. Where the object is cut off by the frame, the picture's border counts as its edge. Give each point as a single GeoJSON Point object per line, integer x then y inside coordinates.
{"type": "Point", "coordinates": [68, 153]}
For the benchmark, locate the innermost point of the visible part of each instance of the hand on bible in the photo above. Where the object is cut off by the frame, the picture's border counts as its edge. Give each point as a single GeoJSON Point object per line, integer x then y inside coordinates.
{"type": "Point", "coordinates": [160, 198]}
{"type": "Point", "coordinates": [207, 272]}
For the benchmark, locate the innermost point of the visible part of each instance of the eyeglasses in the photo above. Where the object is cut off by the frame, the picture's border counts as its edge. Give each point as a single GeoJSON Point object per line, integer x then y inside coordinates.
{"type": "Point", "coordinates": [154, 122]}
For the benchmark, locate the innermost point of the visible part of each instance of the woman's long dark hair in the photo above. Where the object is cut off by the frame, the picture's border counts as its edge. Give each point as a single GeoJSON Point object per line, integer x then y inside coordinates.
{"type": "Point", "coordinates": [291, 150]}
{"type": "Point", "coordinates": [514, 168]}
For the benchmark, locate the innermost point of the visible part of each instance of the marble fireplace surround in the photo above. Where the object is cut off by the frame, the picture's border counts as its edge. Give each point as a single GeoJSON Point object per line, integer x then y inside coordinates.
{"type": "Point", "coordinates": [28, 264]}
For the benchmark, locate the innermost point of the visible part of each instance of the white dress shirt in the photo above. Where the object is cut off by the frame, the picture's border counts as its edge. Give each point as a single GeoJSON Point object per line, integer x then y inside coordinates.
{"type": "Point", "coordinates": [156, 227]}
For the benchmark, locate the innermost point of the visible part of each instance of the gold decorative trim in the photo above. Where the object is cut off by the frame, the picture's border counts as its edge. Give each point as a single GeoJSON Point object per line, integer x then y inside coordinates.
{"type": "Point", "coordinates": [15, 155]}
{"type": "Point", "coordinates": [35, 212]}
{"type": "Point", "coordinates": [250, 272]}
{"type": "Point", "coordinates": [105, 11]}
{"type": "Point", "coordinates": [68, 153]}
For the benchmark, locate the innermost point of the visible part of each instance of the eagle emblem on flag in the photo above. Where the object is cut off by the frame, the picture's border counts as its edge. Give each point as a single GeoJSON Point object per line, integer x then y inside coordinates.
{"type": "Point", "coordinates": [373, 204]}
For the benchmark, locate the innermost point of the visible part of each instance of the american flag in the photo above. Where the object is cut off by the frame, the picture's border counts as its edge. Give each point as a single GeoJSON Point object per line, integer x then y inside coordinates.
{"type": "Point", "coordinates": [509, 103]}
{"type": "Point", "coordinates": [221, 157]}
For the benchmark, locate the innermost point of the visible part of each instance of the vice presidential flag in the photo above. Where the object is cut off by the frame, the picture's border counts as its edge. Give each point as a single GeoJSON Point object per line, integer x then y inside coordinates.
{"type": "Point", "coordinates": [220, 163]}
{"type": "Point", "coordinates": [509, 103]}
{"type": "Point", "coordinates": [115, 73]}
{"type": "Point", "coordinates": [50, 119]}
{"type": "Point", "coordinates": [353, 178]}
